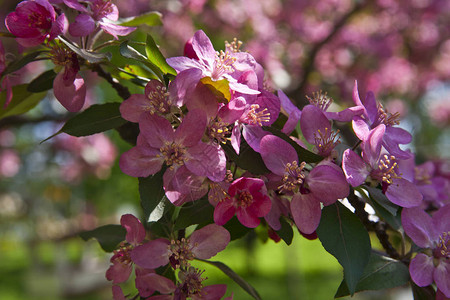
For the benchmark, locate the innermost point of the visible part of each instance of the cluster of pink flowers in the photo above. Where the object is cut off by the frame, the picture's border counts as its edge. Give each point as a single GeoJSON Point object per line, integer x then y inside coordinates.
{"type": "Point", "coordinates": [42, 22]}
{"type": "Point", "coordinates": [219, 98]}
{"type": "Point", "coordinates": [203, 126]}
{"type": "Point", "coordinates": [146, 256]}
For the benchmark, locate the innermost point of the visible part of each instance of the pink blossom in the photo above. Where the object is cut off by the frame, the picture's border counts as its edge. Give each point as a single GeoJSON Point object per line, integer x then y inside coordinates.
{"type": "Point", "coordinates": [247, 200]}
{"type": "Point", "coordinates": [190, 286]}
{"type": "Point", "coordinates": [203, 243]}
{"type": "Point", "coordinates": [433, 235]}
{"type": "Point", "coordinates": [33, 21]}
{"type": "Point", "coordinates": [159, 143]}
{"type": "Point", "coordinates": [101, 13]}
{"type": "Point", "coordinates": [306, 190]}
{"type": "Point", "coordinates": [228, 65]}
{"type": "Point", "coordinates": [380, 167]}
{"type": "Point", "coordinates": [121, 260]}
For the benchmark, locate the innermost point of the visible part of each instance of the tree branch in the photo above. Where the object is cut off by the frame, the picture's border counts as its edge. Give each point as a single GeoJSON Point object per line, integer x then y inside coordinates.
{"type": "Point", "coordinates": [308, 65]}
{"type": "Point", "coordinates": [121, 90]}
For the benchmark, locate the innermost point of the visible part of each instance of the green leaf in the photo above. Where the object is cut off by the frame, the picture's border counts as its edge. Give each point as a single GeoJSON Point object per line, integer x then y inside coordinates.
{"type": "Point", "coordinates": [380, 273]}
{"type": "Point", "coordinates": [156, 57]}
{"type": "Point", "coordinates": [151, 192]}
{"type": "Point", "coordinates": [129, 52]}
{"type": "Point", "coordinates": [236, 229]}
{"type": "Point", "coordinates": [248, 159]}
{"type": "Point", "coordinates": [286, 232]}
{"type": "Point", "coordinates": [196, 212]}
{"type": "Point", "coordinates": [152, 18]}
{"type": "Point", "coordinates": [129, 132]}
{"type": "Point", "coordinates": [22, 101]}
{"type": "Point", "coordinates": [303, 154]}
{"type": "Point", "coordinates": [95, 119]}
{"type": "Point", "coordinates": [92, 57]}
{"type": "Point", "coordinates": [238, 279]}
{"type": "Point", "coordinates": [20, 63]}
{"type": "Point", "coordinates": [378, 196]}
{"type": "Point", "coordinates": [42, 83]}
{"type": "Point", "coordinates": [108, 236]}
{"type": "Point", "coordinates": [394, 221]}
{"type": "Point", "coordinates": [343, 235]}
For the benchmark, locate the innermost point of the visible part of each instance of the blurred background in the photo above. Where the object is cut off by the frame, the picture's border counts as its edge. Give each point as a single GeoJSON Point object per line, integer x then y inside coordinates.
{"type": "Point", "coordinates": [52, 191]}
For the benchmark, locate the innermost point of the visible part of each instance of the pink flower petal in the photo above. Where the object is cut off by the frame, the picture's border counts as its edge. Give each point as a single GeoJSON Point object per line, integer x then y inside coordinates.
{"type": "Point", "coordinates": [223, 212]}
{"type": "Point", "coordinates": [276, 153]}
{"type": "Point", "coordinates": [135, 229]}
{"type": "Point", "coordinates": [354, 167]}
{"type": "Point", "coordinates": [212, 292]}
{"type": "Point", "coordinates": [421, 269]}
{"type": "Point", "coordinates": [157, 130]}
{"type": "Point", "coordinates": [312, 121]}
{"type": "Point", "coordinates": [59, 26]}
{"type": "Point", "coordinates": [203, 48]}
{"type": "Point", "coordinates": [404, 193]}
{"type": "Point", "coordinates": [149, 283]}
{"type": "Point", "coordinates": [191, 129]}
{"type": "Point", "coordinates": [82, 26]}
{"type": "Point", "coordinates": [181, 185]}
{"type": "Point", "coordinates": [418, 225]}
{"type": "Point", "coordinates": [207, 160]}
{"type": "Point", "coordinates": [116, 30]}
{"type": "Point", "coordinates": [247, 219]}
{"type": "Point", "coordinates": [118, 272]}
{"type": "Point", "coordinates": [151, 255]}
{"type": "Point", "coordinates": [72, 97]}
{"type": "Point", "coordinates": [441, 277]}
{"type": "Point", "coordinates": [441, 219]}
{"type": "Point", "coordinates": [132, 108]}
{"type": "Point", "coordinates": [141, 161]}
{"type": "Point", "coordinates": [118, 293]}
{"type": "Point", "coordinates": [322, 177]}
{"type": "Point", "coordinates": [209, 240]}
{"type": "Point", "coordinates": [305, 209]}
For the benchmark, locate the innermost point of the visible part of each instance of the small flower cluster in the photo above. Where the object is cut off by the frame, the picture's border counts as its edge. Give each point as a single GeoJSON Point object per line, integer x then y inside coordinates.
{"type": "Point", "coordinates": [42, 22]}
{"type": "Point", "coordinates": [146, 256]}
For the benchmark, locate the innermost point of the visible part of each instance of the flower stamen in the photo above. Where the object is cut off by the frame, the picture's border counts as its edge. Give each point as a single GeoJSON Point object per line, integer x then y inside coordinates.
{"type": "Point", "coordinates": [293, 176]}
{"type": "Point", "coordinates": [321, 100]}
{"type": "Point", "coordinates": [255, 117]}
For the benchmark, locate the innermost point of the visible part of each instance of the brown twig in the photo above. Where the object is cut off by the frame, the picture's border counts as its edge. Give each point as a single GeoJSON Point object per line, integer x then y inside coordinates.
{"type": "Point", "coordinates": [308, 65]}
{"type": "Point", "coordinates": [121, 90]}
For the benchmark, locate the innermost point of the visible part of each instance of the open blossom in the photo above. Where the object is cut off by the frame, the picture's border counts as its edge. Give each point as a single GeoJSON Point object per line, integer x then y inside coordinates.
{"type": "Point", "coordinates": [101, 13]}
{"type": "Point", "coordinates": [33, 21]}
{"type": "Point", "coordinates": [308, 190]}
{"type": "Point", "coordinates": [247, 199]}
{"type": "Point", "coordinates": [121, 261]}
{"type": "Point", "coordinates": [316, 129]}
{"type": "Point", "coordinates": [224, 65]}
{"type": "Point", "coordinates": [381, 168]}
{"type": "Point", "coordinates": [375, 115]}
{"type": "Point", "coordinates": [432, 234]}
{"type": "Point", "coordinates": [158, 144]}
{"type": "Point", "coordinates": [203, 243]}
